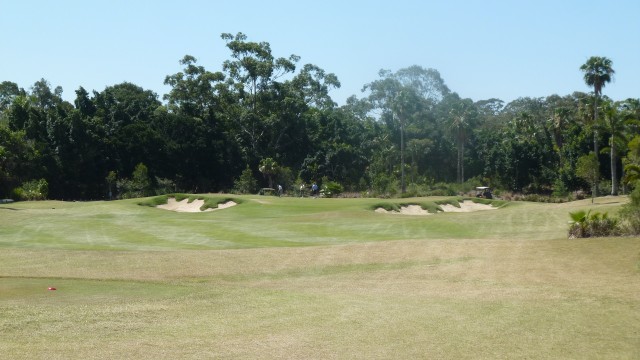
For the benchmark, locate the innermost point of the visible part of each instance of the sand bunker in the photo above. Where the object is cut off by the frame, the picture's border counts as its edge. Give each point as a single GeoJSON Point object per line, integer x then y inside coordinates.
{"type": "Point", "coordinates": [465, 206]}
{"type": "Point", "coordinates": [414, 210]}
{"type": "Point", "coordinates": [194, 206]}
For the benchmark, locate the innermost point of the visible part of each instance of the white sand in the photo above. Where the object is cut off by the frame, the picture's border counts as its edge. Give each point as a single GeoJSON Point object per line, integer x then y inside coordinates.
{"type": "Point", "coordinates": [406, 210]}
{"type": "Point", "coordinates": [228, 204]}
{"type": "Point", "coordinates": [413, 210]}
{"type": "Point", "coordinates": [194, 206]}
{"type": "Point", "coordinates": [465, 206]}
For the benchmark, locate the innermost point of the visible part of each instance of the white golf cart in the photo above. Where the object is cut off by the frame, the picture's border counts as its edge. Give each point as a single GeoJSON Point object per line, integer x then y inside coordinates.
{"type": "Point", "coordinates": [484, 192]}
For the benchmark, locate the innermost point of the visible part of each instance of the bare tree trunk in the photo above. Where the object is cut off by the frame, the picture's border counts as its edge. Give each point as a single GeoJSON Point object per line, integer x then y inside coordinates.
{"type": "Point", "coordinates": [458, 164]}
{"type": "Point", "coordinates": [462, 163]}
{"type": "Point", "coordinates": [614, 168]}
{"type": "Point", "coordinates": [404, 187]}
{"type": "Point", "coordinates": [459, 159]}
{"type": "Point", "coordinates": [596, 148]}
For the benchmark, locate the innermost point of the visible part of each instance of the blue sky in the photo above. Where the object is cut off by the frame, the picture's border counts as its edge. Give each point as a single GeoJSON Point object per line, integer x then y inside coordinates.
{"type": "Point", "coordinates": [483, 49]}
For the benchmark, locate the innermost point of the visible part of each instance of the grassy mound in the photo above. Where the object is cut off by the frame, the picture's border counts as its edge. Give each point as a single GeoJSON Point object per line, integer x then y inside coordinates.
{"type": "Point", "coordinates": [433, 207]}
{"type": "Point", "coordinates": [210, 201]}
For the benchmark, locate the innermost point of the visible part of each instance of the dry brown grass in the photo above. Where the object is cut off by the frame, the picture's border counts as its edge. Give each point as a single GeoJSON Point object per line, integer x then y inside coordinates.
{"type": "Point", "coordinates": [504, 297]}
{"type": "Point", "coordinates": [399, 299]}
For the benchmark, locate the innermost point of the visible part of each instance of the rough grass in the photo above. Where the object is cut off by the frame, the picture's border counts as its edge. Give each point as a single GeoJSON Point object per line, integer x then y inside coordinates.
{"type": "Point", "coordinates": [134, 282]}
{"type": "Point", "coordinates": [433, 206]}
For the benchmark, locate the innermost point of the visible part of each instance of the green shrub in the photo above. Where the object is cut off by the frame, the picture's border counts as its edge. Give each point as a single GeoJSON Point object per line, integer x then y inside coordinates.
{"type": "Point", "coordinates": [331, 189]}
{"type": "Point", "coordinates": [584, 224]}
{"type": "Point", "coordinates": [138, 186]}
{"type": "Point", "coordinates": [32, 190]}
{"type": "Point", "coordinates": [416, 190]}
{"type": "Point", "coordinates": [559, 188]}
{"type": "Point", "coordinates": [441, 189]}
{"type": "Point", "coordinates": [164, 186]}
{"type": "Point", "coordinates": [17, 193]}
{"type": "Point", "coordinates": [246, 183]}
{"type": "Point", "coordinates": [630, 213]}
{"type": "Point", "coordinates": [442, 192]}
{"type": "Point", "coordinates": [384, 185]}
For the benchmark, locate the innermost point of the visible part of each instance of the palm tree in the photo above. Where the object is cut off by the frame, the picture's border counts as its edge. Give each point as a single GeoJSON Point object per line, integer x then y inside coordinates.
{"type": "Point", "coordinates": [268, 167]}
{"type": "Point", "coordinates": [597, 73]}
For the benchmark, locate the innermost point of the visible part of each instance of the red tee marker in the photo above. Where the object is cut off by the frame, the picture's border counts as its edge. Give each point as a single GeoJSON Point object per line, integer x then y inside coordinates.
{"type": "Point", "coordinates": [52, 288]}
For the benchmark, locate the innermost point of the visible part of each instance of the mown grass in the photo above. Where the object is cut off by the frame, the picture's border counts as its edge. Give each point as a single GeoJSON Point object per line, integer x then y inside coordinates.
{"type": "Point", "coordinates": [312, 278]}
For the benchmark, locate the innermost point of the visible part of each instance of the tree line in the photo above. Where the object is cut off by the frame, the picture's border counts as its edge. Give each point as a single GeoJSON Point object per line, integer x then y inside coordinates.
{"type": "Point", "coordinates": [261, 119]}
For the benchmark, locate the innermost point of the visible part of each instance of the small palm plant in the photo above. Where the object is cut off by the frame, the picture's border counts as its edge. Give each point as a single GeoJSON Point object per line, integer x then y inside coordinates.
{"type": "Point", "coordinates": [578, 223]}
{"type": "Point", "coordinates": [585, 224]}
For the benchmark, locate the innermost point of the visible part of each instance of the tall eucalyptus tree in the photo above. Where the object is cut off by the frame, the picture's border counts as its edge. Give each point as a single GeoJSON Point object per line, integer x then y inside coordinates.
{"type": "Point", "coordinates": [252, 76]}
{"type": "Point", "coordinates": [403, 98]}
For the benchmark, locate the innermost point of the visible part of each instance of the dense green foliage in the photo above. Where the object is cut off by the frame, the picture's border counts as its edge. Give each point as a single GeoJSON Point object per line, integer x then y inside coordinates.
{"type": "Point", "coordinates": [586, 224]}
{"type": "Point", "coordinates": [262, 121]}
{"type": "Point", "coordinates": [630, 213]}
{"type": "Point", "coordinates": [32, 190]}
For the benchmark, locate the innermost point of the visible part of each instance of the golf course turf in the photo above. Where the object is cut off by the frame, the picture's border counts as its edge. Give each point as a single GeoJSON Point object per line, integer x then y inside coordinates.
{"type": "Point", "coordinates": [305, 278]}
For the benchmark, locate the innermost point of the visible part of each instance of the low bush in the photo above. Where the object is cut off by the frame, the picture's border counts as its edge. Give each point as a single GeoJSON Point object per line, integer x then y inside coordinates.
{"type": "Point", "coordinates": [164, 186]}
{"type": "Point", "coordinates": [509, 196]}
{"type": "Point", "coordinates": [442, 189]}
{"type": "Point", "coordinates": [32, 190]}
{"type": "Point", "coordinates": [586, 224]}
{"type": "Point", "coordinates": [331, 189]}
{"type": "Point", "coordinates": [246, 183]}
{"type": "Point", "coordinates": [630, 213]}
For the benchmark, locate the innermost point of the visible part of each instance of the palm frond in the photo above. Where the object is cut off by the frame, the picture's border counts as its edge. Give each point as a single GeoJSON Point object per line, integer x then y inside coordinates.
{"type": "Point", "coordinates": [579, 216]}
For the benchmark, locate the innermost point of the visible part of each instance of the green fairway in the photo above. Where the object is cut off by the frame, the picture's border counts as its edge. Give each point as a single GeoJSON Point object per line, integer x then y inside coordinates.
{"type": "Point", "coordinates": [313, 278]}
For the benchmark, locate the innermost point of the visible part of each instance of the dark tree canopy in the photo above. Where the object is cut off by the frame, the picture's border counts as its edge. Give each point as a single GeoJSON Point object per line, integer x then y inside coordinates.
{"type": "Point", "coordinates": [261, 119]}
